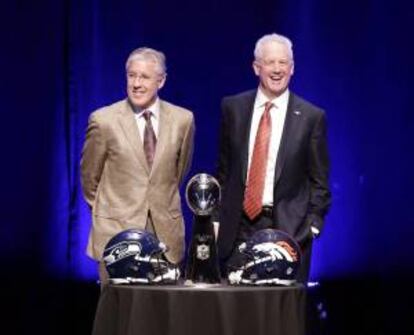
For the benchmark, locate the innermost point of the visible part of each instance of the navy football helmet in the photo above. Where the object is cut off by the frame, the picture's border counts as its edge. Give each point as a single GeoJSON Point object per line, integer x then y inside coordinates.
{"type": "Point", "coordinates": [136, 256]}
{"type": "Point", "coordinates": [269, 257]}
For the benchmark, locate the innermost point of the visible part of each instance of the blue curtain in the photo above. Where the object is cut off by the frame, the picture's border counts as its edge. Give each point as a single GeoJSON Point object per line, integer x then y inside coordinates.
{"type": "Point", "coordinates": [63, 59]}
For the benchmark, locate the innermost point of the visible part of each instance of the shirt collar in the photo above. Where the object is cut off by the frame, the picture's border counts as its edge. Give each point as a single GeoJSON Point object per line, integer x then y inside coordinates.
{"type": "Point", "coordinates": [154, 108]}
{"type": "Point", "coordinates": [281, 101]}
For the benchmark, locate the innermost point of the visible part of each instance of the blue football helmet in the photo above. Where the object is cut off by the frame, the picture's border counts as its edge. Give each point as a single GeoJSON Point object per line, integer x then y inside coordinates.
{"type": "Point", "coordinates": [269, 257]}
{"type": "Point", "coordinates": [136, 256]}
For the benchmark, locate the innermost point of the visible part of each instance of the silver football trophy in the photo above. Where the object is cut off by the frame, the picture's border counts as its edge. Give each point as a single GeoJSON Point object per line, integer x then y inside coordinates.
{"type": "Point", "coordinates": [203, 196]}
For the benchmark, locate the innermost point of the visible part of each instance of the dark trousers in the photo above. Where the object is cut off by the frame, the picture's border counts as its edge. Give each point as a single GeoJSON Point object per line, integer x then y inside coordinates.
{"type": "Point", "coordinates": [247, 228]}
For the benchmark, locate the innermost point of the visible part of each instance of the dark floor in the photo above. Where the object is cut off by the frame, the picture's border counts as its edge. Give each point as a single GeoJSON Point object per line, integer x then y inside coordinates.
{"type": "Point", "coordinates": [48, 307]}
{"type": "Point", "coordinates": [363, 306]}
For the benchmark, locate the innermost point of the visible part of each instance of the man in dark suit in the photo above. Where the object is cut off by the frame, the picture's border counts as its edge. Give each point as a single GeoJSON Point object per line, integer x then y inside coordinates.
{"type": "Point", "coordinates": [273, 158]}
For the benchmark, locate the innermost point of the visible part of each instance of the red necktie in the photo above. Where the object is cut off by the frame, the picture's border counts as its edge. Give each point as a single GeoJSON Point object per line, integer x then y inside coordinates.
{"type": "Point", "coordinates": [150, 141]}
{"type": "Point", "coordinates": [255, 183]}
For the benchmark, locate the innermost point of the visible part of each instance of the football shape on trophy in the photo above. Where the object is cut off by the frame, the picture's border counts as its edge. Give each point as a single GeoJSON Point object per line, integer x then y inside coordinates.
{"type": "Point", "coordinates": [203, 196]}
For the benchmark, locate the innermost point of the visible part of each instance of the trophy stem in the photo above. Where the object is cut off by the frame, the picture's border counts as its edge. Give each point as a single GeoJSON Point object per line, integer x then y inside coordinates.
{"type": "Point", "coordinates": [202, 264]}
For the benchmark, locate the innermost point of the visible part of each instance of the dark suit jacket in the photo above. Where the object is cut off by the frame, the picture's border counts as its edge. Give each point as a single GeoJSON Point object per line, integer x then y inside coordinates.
{"type": "Point", "coordinates": [301, 192]}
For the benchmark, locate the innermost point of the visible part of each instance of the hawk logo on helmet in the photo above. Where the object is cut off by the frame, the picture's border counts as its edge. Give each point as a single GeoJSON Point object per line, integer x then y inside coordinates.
{"type": "Point", "coordinates": [122, 250]}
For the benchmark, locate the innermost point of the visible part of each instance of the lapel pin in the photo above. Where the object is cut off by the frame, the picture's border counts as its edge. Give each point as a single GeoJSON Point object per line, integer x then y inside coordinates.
{"type": "Point", "coordinates": [297, 112]}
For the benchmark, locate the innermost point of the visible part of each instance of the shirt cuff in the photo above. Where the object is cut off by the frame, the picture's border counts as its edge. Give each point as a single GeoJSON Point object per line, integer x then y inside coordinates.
{"type": "Point", "coordinates": [315, 231]}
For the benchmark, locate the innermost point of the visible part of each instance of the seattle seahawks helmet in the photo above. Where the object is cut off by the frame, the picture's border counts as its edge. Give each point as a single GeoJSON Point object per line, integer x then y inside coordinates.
{"type": "Point", "coordinates": [136, 256]}
{"type": "Point", "coordinates": [269, 257]}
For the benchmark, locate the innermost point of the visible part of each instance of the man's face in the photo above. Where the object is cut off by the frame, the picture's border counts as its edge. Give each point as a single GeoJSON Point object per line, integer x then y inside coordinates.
{"type": "Point", "coordinates": [274, 69]}
{"type": "Point", "coordinates": [143, 82]}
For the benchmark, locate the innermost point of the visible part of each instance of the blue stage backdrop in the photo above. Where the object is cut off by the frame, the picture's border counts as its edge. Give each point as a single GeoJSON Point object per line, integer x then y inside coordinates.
{"type": "Point", "coordinates": [63, 59]}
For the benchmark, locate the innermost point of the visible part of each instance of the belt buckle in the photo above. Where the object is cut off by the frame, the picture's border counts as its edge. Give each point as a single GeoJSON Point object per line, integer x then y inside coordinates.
{"type": "Point", "coordinates": [267, 211]}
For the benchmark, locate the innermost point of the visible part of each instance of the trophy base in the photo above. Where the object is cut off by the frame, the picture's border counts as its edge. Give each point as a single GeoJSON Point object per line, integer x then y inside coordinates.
{"type": "Point", "coordinates": [202, 265]}
{"type": "Point", "coordinates": [190, 283]}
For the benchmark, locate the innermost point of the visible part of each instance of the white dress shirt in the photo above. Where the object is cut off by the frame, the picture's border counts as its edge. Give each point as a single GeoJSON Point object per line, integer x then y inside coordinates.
{"type": "Point", "coordinates": [278, 115]}
{"type": "Point", "coordinates": [155, 117]}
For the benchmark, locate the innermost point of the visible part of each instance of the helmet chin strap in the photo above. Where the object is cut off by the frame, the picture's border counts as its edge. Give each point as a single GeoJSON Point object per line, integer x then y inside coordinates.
{"type": "Point", "coordinates": [170, 276]}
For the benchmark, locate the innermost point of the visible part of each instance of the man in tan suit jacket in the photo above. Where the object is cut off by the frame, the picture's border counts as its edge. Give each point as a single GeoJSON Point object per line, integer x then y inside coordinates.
{"type": "Point", "coordinates": [123, 188]}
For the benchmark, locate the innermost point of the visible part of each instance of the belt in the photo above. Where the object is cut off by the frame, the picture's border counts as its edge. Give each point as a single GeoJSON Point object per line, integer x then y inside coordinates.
{"type": "Point", "coordinates": [267, 211]}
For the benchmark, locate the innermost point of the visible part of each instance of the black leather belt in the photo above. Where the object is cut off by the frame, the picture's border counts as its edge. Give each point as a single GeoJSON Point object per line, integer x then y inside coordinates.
{"type": "Point", "coordinates": [267, 211]}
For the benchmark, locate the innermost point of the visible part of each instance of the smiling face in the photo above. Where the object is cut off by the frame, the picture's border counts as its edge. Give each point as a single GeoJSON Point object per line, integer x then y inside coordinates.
{"type": "Point", "coordinates": [144, 79]}
{"type": "Point", "coordinates": [274, 69]}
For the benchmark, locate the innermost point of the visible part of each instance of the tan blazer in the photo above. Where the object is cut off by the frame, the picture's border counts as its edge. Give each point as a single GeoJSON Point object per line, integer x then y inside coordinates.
{"type": "Point", "coordinates": [118, 184]}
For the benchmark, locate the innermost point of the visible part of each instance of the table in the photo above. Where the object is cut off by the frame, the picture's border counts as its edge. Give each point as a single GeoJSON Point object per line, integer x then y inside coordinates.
{"type": "Point", "coordinates": [201, 309]}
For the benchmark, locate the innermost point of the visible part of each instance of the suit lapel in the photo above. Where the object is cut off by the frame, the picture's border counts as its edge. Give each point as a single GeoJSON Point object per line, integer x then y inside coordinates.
{"type": "Point", "coordinates": [163, 131]}
{"type": "Point", "coordinates": [292, 120]}
{"type": "Point", "coordinates": [130, 128]}
{"type": "Point", "coordinates": [246, 108]}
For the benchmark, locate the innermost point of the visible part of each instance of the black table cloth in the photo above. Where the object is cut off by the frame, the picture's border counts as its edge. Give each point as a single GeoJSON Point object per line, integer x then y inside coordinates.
{"type": "Point", "coordinates": [201, 309]}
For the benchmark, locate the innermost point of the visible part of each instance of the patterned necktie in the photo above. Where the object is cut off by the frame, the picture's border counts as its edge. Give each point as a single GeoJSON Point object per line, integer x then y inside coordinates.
{"type": "Point", "coordinates": [150, 141]}
{"type": "Point", "coordinates": [255, 183]}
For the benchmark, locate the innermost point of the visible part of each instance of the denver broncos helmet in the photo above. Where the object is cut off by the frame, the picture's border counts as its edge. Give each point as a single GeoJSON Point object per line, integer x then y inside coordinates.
{"type": "Point", "coordinates": [269, 257]}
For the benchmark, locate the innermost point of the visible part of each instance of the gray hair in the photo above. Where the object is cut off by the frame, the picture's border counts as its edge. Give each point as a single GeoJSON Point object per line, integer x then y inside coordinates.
{"type": "Point", "coordinates": [258, 50]}
{"type": "Point", "coordinates": [148, 54]}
